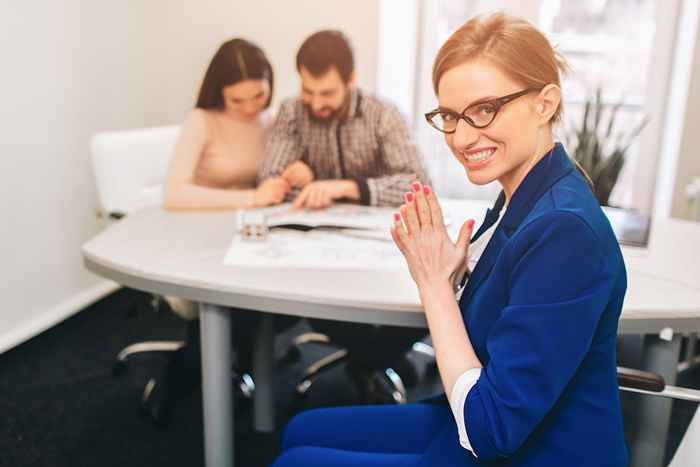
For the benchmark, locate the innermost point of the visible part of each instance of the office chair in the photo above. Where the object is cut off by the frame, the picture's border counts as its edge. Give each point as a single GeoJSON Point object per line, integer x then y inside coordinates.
{"type": "Point", "coordinates": [130, 167]}
{"type": "Point", "coordinates": [644, 382]}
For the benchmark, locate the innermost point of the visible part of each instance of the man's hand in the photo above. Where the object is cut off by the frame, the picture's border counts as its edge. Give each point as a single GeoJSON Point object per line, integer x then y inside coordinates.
{"type": "Point", "coordinates": [298, 174]}
{"type": "Point", "coordinates": [271, 191]}
{"type": "Point", "coordinates": [321, 194]}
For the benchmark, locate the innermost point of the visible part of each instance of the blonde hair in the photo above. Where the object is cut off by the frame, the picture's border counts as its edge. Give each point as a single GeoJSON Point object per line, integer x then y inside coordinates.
{"type": "Point", "coordinates": [512, 44]}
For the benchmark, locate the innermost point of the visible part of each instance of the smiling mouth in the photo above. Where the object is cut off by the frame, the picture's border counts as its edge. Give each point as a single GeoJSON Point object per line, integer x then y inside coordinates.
{"type": "Point", "coordinates": [479, 156]}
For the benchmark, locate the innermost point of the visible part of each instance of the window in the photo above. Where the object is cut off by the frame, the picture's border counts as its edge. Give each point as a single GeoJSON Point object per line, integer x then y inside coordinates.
{"type": "Point", "coordinates": [606, 48]}
{"type": "Point", "coordinates": [622, 46]}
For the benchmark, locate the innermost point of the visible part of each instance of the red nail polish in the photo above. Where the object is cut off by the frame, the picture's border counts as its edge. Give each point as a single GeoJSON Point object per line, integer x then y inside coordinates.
{"type": "Point", "coordinates": [397, 216]}
{"type": "Point", "coordinates": [426, 189]}
{"type": "Point", "coordinates": [416, 187]}
{"type": "Point", "coordinates": [470, 224]}
{"type": "Point", "coordinates": [409, 197]}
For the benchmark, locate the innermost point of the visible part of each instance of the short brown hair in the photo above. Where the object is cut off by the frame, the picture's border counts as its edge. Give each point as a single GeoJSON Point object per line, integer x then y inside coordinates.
{"type": "Point", "coordinates": [515, 46]}
{"type": "Point", "coordinates": [326, 49]}
{"type": "Point", "coordinates": [236, 60]}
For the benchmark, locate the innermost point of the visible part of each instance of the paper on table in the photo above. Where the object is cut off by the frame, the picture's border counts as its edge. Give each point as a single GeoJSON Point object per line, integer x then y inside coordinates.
{"type": "Point", "coordinates": [315, 249]}
{"type": "Point", "coordinates": [362, 241]}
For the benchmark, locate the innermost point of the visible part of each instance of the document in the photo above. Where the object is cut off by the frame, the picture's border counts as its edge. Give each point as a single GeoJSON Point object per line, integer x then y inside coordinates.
{"type": "Point", "coordinates": [316, 249]}
{"type": "Point", "coordinates": [344, 236]}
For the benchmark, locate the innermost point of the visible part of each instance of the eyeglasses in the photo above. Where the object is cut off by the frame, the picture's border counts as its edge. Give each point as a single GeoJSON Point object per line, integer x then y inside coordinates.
{"type": "Point", "coordinates": [478, 115]}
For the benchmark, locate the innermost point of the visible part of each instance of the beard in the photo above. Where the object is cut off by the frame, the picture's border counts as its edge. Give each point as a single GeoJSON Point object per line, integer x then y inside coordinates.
{"type": "Point", "coordinates": [332, 113]}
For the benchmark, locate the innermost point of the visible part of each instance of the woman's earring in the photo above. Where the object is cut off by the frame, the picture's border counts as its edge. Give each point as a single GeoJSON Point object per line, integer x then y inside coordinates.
{"type": "Point", "coordinates": [540, 108]}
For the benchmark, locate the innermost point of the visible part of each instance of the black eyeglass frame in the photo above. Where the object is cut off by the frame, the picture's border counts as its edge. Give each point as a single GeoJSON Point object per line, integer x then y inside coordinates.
{"type": "Point", "coordinates": [496, 103]}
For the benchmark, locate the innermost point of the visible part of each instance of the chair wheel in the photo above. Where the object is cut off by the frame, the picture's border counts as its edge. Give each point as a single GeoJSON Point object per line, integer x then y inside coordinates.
{"type": "Point", "coordinates": [245, 386]}
{"type": "Point", "coordinates": [119, 368]}
{"type": "Point", "coordinates": [302, 388]}
{"type": "Point", "coordinates": [378, 390]}
{"type": "Point", "coordinates": [395, 385]}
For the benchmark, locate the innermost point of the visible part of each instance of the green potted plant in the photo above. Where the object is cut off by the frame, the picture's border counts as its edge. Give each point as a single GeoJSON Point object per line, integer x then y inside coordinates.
{"type": "Point", "coordinates": [598, 146]}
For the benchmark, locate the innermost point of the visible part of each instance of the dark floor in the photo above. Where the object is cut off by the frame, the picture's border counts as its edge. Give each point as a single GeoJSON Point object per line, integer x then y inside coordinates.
{"type": "Point", "coordinates": [61, 406]}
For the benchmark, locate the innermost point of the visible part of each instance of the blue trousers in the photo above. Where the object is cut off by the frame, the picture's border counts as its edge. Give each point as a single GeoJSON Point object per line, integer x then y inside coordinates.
{"type": "Point", "coordinates": [409, 435]}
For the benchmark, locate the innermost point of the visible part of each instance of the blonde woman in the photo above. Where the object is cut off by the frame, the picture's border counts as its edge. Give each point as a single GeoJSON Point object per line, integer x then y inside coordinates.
{"type": "Point", "coordinates": [526, 349]}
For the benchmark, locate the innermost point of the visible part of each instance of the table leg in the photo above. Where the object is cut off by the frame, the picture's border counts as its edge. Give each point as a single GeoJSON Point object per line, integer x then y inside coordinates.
{"type": "Point", "coordinates": [659, 356]}
{"type": "Point", "coordinates": [215, 326]}
{"type": "Point", "coordinates": [263, 365]}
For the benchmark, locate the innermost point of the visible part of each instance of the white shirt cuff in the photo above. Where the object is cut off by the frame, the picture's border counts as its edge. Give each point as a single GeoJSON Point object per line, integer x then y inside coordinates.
{"type": "Point", "coordinates": [459, 396]}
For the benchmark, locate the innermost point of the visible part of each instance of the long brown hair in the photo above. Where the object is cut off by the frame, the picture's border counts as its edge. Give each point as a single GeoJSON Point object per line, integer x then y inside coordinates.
{"type": "Point", "coordinates": [236, 60]}
{"type": "Point", "coordinates": [512, 44]}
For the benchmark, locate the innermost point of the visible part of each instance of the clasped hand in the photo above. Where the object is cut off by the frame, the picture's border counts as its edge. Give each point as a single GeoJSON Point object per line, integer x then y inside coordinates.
{"type": "Point", "coordinates": [298, 174]}
{"type": "Point", "coordinates": [419, 232]}
{"type": "Point", "coordinates": [317, 194]}
{"type": "Point", "coordinates": [271, 191]}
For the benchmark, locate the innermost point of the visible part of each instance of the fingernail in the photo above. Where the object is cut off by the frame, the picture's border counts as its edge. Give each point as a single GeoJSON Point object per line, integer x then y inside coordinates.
{"type": "Point", "coordinates": [416, 187]}
{"type": "Point", "coordinates": [426, 189]}
{"type": "Point", "coordinates": [470, 224]}
{"type": "Point", "coordinates": [397, 216]}
{"type": "Point", "coordinates": [409, 197]}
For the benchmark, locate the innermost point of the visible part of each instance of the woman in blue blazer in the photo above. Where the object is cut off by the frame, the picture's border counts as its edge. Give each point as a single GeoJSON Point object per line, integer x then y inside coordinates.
{"type": "Point", "coordinates": [526, 349]}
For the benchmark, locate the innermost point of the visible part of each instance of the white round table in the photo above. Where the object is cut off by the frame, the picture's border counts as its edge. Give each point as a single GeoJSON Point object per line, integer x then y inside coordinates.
{"type": "Point", "coordinates": [182, 253]}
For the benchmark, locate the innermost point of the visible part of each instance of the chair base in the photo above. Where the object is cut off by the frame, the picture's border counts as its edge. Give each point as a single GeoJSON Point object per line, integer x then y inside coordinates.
{"type": "Point", "coordinates": [388, 379]}
{"type": "Point", "coordinates": [143, 347]}
{"type": "Point", "coordinates": [313, 371]}
{"type": "Point", "coordinates": [159, 397]}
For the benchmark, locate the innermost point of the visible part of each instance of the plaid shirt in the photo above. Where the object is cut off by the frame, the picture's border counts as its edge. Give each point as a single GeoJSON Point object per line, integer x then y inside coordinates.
{"type": "Point", "coordinates": [370, 145]}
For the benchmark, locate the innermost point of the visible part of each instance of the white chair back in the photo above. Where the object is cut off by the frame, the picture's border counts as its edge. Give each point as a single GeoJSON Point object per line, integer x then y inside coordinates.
{"type": "Point", "coordinates": [130, 166]}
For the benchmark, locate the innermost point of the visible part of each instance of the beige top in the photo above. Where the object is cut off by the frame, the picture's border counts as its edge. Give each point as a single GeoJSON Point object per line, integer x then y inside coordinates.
{"type": "Point", "coordinates": [232, 153]}
{"type": "Point", "coordinates": [215, 161]}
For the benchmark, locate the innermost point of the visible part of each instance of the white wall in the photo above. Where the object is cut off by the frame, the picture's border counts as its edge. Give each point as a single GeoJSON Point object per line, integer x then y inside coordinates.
{"type": "Point", "coordinates": [397, 59]}
{"type": "Point", "coordinates": [70, 68]}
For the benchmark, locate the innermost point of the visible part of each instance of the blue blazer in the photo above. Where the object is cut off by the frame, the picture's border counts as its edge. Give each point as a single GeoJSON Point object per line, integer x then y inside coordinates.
{"type": "Point", "coordinates": [541, 309]}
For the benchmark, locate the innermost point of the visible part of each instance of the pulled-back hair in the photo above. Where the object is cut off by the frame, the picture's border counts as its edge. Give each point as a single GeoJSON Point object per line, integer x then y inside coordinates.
{"type": "Point", "coordinates": [236, 60]}
{"type": "Point", "coordinates": [326, 49]}
{"type": "Point", "coordinates": [512, 44]}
